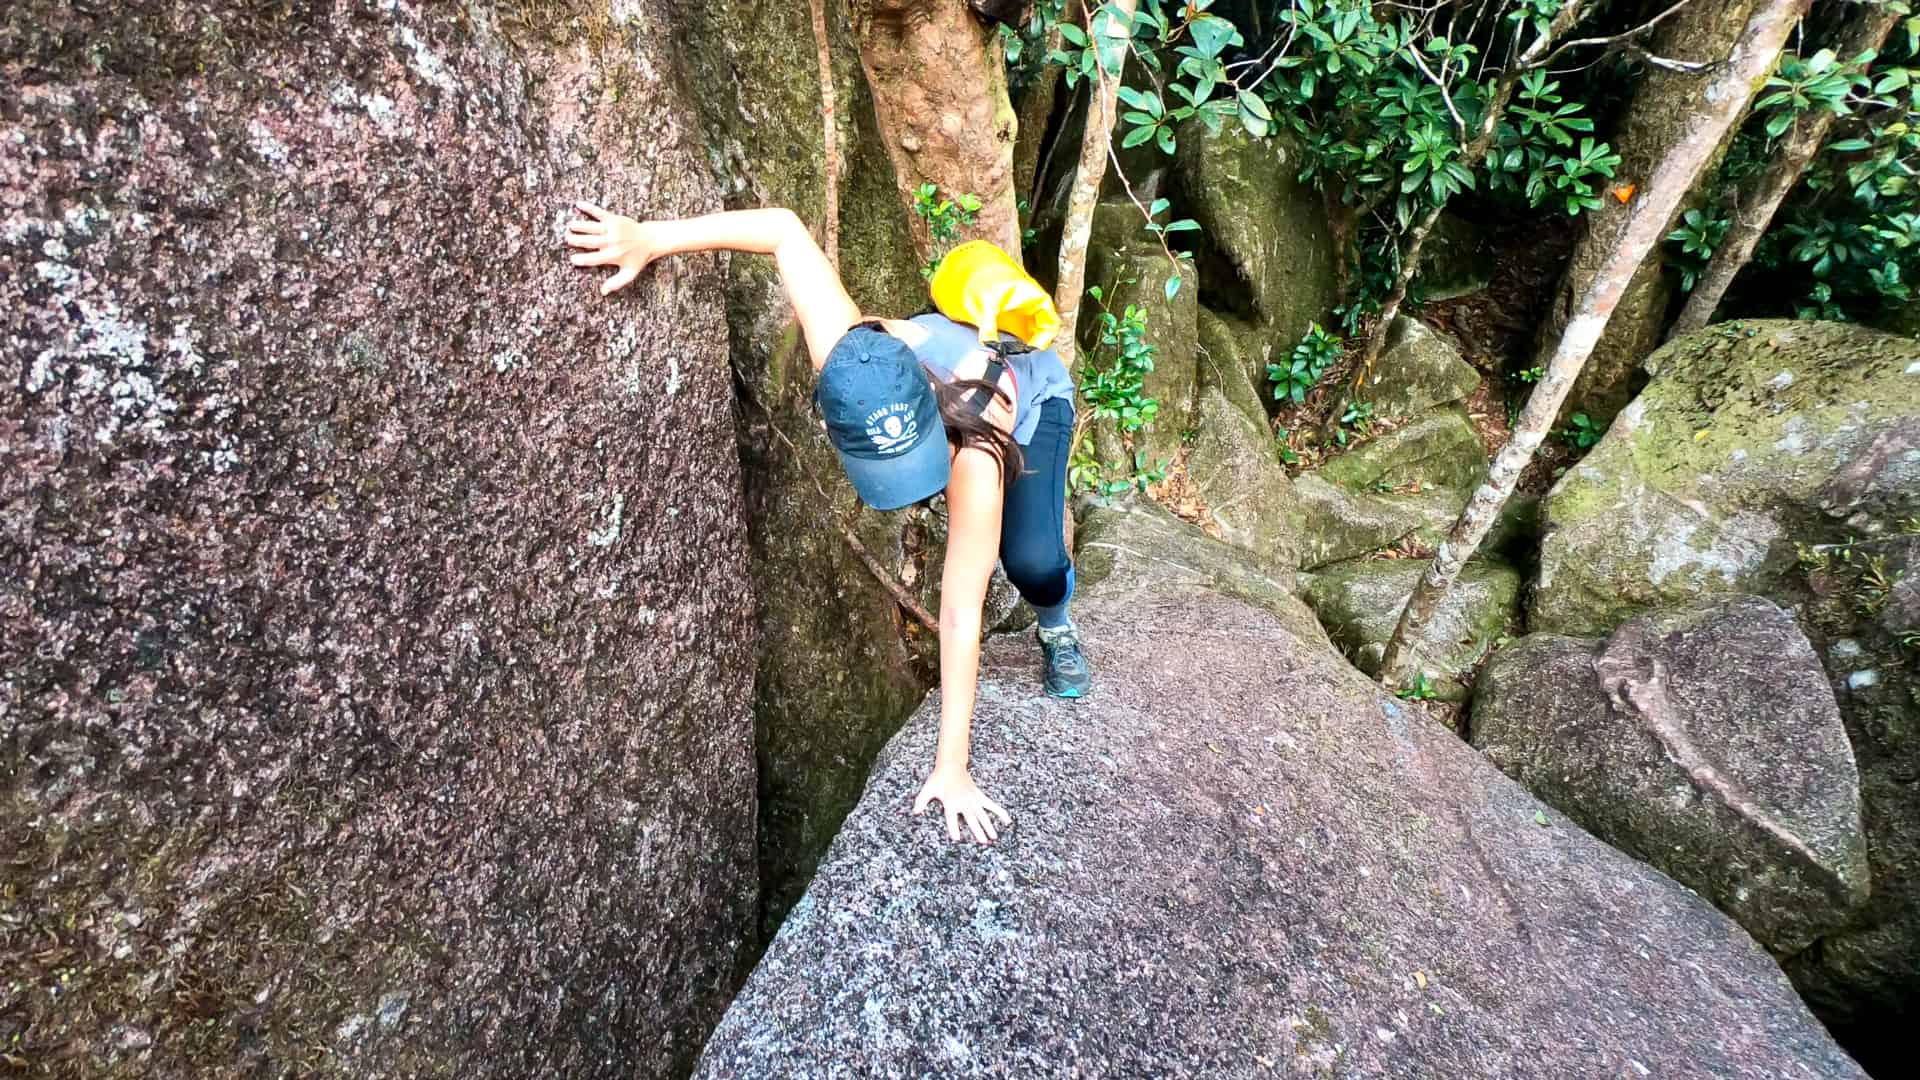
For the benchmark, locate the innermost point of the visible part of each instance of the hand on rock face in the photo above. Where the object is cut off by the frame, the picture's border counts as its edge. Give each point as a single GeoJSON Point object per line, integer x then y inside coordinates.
{"type": "Point", "coordinates": [961, 799]}
{"type": "Point", "coordinates": [611, 239]}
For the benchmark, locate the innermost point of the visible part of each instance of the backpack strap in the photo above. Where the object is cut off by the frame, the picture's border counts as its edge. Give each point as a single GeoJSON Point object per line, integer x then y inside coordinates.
{"type": "Point", "coordinates": [981, 400]}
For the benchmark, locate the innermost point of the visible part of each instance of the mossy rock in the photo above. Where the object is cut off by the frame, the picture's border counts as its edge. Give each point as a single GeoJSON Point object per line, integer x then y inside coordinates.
{"type": "Point", "coordinates": [1359, 604]}
{"type": "Point", "coordinates": [1335, 524]}
{"type": "Point", "coordinates": [1752, 443]}
{"type": "Point", "coordinates": [1265, 251]}
{"type": "Point", "coordinates": [1418, 369]}
{"type": "Point", "coordinates": [1438, 449]}
{"type": "Point", "coordinates": [1749, 439]}
{"type": "Point", "coordinates": [1231, 343]}
{"type": "Point", "coordinates": [1235, 464]}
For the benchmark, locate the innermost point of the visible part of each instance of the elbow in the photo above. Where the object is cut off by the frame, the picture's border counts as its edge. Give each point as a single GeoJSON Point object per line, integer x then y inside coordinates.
{"type": "Point", "coordinates": [789, 226]}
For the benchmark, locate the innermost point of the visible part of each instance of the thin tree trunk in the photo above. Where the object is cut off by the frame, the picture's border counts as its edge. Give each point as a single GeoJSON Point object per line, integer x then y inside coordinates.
{"type": "Point", "coordinates": [939, 86]}
{"type": "Point", "coordinates": [829, 138]}
{"type": "Point", "coordinates": [1755, 211]}
{"type": "Point", "coordinates": [1077, 228]}
{"type": "Point", "coordinates": [1654, 121]}
{"type": "Point", "coordinates": [1409, 264]}
{"type": "Point", "coordinates": [1721, 106]}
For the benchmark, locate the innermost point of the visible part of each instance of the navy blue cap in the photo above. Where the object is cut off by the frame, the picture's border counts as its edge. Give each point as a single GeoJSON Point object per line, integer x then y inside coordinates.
{"type": "Point", "coordinates": [883, 419]}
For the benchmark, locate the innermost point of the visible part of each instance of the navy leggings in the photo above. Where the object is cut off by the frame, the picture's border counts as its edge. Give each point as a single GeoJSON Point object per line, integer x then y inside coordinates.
{"type": "Point", "coordinates": [1033, 546]}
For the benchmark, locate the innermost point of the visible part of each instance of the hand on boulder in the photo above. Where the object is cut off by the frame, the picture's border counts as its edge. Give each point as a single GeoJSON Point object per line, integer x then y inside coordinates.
{"type": "Point", "coordinates": [961, 799]}
{"type": "Point", "coordinates": [611, 239]}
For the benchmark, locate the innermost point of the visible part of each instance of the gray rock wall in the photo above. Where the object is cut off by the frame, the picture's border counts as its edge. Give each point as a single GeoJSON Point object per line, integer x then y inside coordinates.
{"type": "Point", "coordinates": [375, 629]}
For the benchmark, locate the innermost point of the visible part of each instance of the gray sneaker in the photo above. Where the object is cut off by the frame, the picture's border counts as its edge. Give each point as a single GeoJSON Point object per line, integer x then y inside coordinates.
{"type": "Point", "coordinates": [1067, 674]}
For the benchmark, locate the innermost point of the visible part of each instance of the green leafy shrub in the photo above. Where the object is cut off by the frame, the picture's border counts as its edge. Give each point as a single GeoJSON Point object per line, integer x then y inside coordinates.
{"type": "Point", "coordinates": [945, 218]}
{"type": "Point", "coordinates": [1581, 432]}
{"type": "Point", "coordinates": [1301, 372]}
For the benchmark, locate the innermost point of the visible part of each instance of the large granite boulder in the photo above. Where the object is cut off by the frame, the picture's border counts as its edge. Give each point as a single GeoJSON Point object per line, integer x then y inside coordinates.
{"type": "Point", "coordinates": [1241, 857]}
{"type": "Point", "coordinates": [1780, 459]}
{"type": "Point", "coordinates": [1705, 741]}
{"type": "Point", "coordinates": [1360, 602]}
{"type": "Point", "coordinates": [837, 669]}
{"type": "Point", "coordinates": [1265, 249]}
{"type": "Point", "coordinates": [375, 629]}
{"type": "Point", "coordinates": [1750, 439]}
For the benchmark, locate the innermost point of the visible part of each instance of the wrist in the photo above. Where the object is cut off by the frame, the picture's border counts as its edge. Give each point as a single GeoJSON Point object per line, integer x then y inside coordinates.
{"type": "Point", "coordinates": [949, 765]}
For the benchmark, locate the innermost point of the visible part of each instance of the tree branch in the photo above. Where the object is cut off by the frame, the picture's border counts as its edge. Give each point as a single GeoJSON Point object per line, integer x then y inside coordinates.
{"type": "Point", "coordinates": [887, 581]}
{"type": "Point", "coordinates": [1615, 39]}
{"type": "Point", "coordinates": [830, 138]}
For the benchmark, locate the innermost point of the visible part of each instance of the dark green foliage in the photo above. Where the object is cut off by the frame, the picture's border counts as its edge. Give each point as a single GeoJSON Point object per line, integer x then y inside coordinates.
{"type": "Point", "coordinates": [1308, 362]}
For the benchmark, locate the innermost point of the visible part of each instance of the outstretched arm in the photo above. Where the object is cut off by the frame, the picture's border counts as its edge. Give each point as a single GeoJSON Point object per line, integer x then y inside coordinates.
{"type": "Point", "coordinates": [973, 543]}
{"type": "Point", "coordinates": [819, 300]}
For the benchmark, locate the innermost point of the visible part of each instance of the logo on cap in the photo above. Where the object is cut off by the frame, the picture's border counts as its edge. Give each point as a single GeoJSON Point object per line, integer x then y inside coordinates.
{"type": "Point", "coordinates": [893, 428]}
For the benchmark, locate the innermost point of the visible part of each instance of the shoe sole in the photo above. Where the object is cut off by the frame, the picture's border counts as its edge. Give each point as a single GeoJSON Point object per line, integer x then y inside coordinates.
{"type": "Point", "coordinates": [1071, 693]}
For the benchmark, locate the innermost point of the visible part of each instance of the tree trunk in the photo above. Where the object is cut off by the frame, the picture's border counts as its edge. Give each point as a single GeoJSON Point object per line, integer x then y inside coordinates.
{"type": "Point", "coordinates": [1868, 30]}
{"type": "Point", "coordinates": [1389, 307]}
{"type": "Point", "coordinates": [940, 95]}
{"type": "Point", "coordinates": [830, 137]}
{"type": "Point", "coordinates": [1720, 106]}
{"type": "Point", "coordinates": [1078, 226]}
{"type": "Point", "coordinates": [1657, 119]}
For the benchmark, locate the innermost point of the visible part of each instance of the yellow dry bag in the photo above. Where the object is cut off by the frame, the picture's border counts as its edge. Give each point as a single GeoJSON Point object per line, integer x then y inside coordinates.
{"type": "Point", "coordinates": [979, 284]}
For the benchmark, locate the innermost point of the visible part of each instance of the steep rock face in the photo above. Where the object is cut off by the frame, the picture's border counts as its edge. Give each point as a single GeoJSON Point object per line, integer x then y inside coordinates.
{"type": "Point", "coordinates": [1863, 612]}
{"type": "Point", "coordinates": [1130, 269]}
{"type": "Point", "coordinates": [1235, 460]}
{"type": "Point", "coordinates": [375, 633]}
{"type": "Point", "coordinates": [836, 673]}
{"type": "Point", "coordinates": [1242, 857]}
{"type": "Point", "coordinates": [1705, 741]}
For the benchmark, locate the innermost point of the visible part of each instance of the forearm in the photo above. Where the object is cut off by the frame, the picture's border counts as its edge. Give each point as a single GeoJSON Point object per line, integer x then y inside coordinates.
{"type": "Point", "coordinates": [813, 287]}
{"type": "Point", "coordinates": [959, 678]}
{"type": "Point", "coordinates": [757, 232]}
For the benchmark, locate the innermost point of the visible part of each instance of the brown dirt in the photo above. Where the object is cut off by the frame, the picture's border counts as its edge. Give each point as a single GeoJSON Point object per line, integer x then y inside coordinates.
{"type": "Point", "coordinates": [1497, 330]}
{"type": "Point", "coordinates": [1179, 494]}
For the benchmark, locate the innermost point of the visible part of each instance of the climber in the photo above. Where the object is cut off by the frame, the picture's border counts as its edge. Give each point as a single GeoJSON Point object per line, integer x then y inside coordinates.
{"type": "Point", "coordinates": [916, 407]}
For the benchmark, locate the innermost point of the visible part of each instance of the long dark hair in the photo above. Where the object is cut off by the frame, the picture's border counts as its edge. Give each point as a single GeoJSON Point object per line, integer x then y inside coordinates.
{"type": "Point", "coordinates": [966, 426]}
